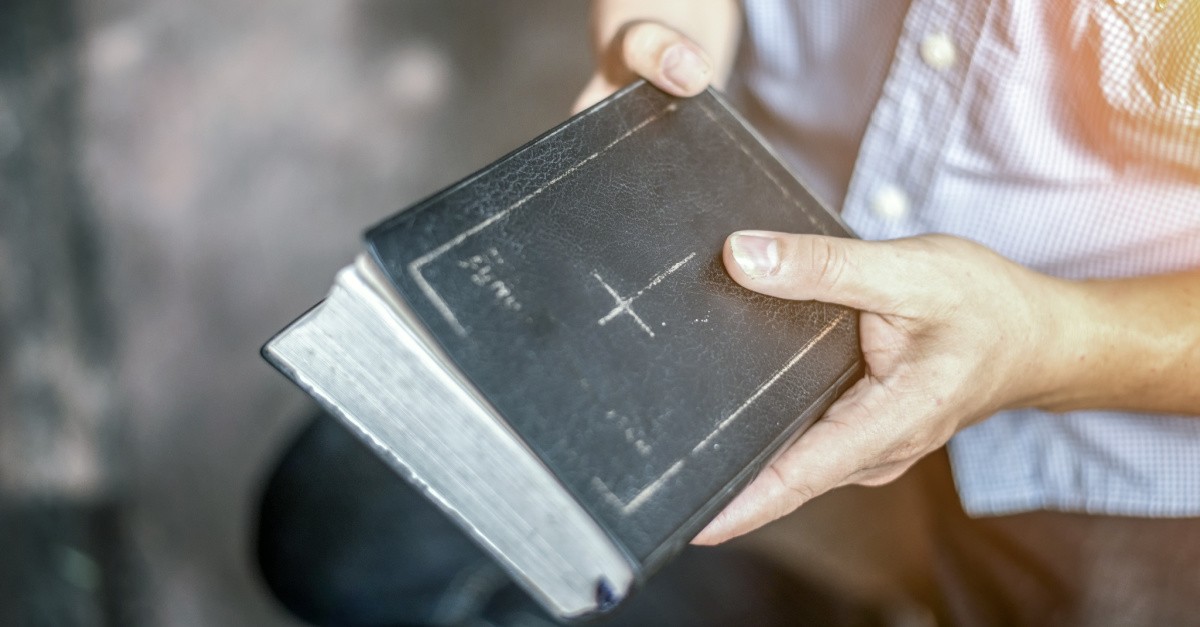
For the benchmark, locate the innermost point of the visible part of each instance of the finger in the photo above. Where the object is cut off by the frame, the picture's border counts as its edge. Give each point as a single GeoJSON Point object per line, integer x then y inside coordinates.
{"type": "Point", "coordinates": [781, 487]}
{"type": "Point", "coordinates": [882, 475]}
{"type": "Point", "coordinates": [871, 276]}
{"type": "Point", "coordinates": [834, 452]}
{"type": "Point", "coordinates": [765, 499]}
{"type": "Point", "coordinates": [596, 90]}
{"type": "Point", "coordinates": [666, 58]}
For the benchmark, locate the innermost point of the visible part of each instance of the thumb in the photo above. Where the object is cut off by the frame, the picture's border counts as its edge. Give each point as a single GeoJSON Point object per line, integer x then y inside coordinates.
{"type": "Point", "coordinates": [654, 51]}
{"type": "Point", "coordinates": [871, 276]}
{"type": "Point", "coordinates": [665, 57]}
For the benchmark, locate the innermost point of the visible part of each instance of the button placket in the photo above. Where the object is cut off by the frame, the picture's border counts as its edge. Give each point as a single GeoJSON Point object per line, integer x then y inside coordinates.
{"type": "Point", "coordinates": [904, 139]}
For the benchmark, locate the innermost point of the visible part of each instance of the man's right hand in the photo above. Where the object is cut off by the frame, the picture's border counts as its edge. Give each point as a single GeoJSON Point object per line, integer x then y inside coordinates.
{"type": "Point", "coordinates": [633, 39]}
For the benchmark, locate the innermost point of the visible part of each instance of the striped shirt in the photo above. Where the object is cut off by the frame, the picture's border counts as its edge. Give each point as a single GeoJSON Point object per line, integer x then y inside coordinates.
{"type": "Point", "coordinates": [1064, 135]}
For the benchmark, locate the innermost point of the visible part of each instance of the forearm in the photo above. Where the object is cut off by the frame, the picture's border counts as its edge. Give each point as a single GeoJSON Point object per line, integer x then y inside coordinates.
{"type": "Point", "coordinates": [1128, 344]}
{"type": "Point", "coordinates": [712, 24]}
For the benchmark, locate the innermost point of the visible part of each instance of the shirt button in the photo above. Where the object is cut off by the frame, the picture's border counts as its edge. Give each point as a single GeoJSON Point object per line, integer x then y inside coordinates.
{"type": "Point", "coordinates": [890, 202]}
{"type": "Point", "coordinates": [938, 51]}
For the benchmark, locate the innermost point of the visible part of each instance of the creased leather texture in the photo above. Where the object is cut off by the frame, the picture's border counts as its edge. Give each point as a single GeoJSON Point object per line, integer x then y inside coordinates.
{"type": "Point", "coordinates": [578, 283]}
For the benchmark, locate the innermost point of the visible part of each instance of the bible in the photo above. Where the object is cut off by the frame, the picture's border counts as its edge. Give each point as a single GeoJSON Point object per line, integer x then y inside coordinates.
{"type": "Point", "coordinates": [552, 352]}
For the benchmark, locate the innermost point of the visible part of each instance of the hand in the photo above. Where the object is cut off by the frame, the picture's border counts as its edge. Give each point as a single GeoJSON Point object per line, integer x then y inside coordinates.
{"type": "Point", "coordinates": [660, 54]}
{"type": "Point", "coordinates": [951, 333]}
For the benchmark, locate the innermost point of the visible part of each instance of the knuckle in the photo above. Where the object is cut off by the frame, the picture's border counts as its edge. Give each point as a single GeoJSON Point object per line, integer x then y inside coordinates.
{"type": "Point", "coordinates": [643, 43]}
{"type": "Point", "coordinates": [891, 443]}
{"type": "Point", "coordinates": [915, 443]}
{"type": "Point", "coordinates": [795, 484]}
{"type": "Point", "coordinates": [828, 262]}
{"type": "Point", "coordinates": [884, 476]}
{"type": "Point", "coordinates": [907, 447]}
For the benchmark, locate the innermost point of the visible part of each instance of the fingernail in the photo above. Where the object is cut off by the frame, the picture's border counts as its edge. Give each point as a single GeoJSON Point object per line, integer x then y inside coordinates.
{"type": "Point", "coordinates": [756, 254]}
{"type": "Point", "coordinates": [684, 69]}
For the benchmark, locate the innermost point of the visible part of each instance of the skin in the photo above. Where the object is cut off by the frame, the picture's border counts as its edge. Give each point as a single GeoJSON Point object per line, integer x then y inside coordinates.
{"type": "Point", "coordinates": [951, 331]}
{"type": "Point", "coordinates": [631, 38]}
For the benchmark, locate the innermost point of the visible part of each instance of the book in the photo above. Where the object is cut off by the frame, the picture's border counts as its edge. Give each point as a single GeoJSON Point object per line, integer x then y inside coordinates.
{"type": "Point", "coordinates": [552, 351]}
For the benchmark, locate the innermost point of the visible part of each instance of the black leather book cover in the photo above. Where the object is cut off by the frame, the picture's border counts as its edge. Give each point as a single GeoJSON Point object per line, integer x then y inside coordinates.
{"type": "Point", "coordinates": [578, 284]}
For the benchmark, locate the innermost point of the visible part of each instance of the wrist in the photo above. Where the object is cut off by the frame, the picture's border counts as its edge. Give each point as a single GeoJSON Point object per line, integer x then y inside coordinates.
{"type": "Point", "coordinates": [1104, 350]}
{"type": "Point", "coordinates": [1054, 368]}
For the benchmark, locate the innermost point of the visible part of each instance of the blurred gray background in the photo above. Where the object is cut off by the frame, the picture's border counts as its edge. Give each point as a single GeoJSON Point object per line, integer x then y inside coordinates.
{"type": "Point", "coordinates": [180, 178]}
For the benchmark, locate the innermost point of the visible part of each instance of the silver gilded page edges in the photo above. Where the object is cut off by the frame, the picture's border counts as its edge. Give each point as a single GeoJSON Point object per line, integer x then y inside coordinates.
{"type": "Point", "coordinates": [360, 356]}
